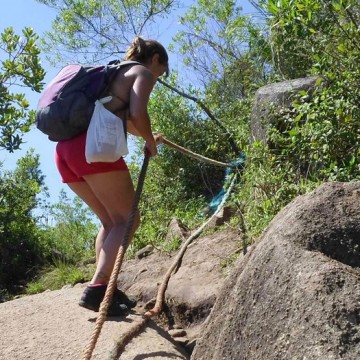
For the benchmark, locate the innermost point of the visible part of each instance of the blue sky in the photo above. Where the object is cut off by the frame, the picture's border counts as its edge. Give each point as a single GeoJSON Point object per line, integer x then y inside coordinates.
{"type": "Point", "coordinates": [20, 14]}
{"type": "Point", "coordinates": [29, 13]}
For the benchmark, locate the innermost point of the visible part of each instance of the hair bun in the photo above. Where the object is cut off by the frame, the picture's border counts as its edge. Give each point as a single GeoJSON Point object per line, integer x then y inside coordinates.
{"type": "Point", "coordinates": [138, 43]}
{"type": "Point", "coordinates": [141, 50]}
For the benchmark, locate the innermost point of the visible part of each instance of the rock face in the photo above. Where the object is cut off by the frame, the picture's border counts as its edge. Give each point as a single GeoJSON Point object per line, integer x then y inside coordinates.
{"type": "Point", "coordinates": [296, 294]}
{"type": "Point", "coordinates": [192, 290]}
{"type": "Point", "coordinates": [279, 94]}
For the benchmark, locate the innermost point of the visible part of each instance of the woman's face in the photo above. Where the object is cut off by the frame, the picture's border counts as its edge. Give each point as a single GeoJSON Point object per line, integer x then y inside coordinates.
{"type": "Point", "coordinates": [157, 68]}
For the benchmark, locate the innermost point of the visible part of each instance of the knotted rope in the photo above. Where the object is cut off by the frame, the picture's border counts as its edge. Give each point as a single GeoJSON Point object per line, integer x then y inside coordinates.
{"type": "Point", "coordinates": [136, 326]}
{"type": "Point", "coordinates": [118, 262]}
{"type": "Point", "coordinates": [157, 309]}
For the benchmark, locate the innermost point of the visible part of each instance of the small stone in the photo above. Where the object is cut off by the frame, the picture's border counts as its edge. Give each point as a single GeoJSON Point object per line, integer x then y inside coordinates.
{"type": "Point", "coordinates": [176, 230]}
{"type": "Point", "coordinates": [146, 251]}
{"type": "Point", "coordinates": [177, 333]}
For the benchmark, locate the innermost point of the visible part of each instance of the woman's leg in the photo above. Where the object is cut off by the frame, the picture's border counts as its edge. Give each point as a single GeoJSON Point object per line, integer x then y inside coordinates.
{"type": "Point", "coordinates": [93, 294]}
{"type": "Point", "coordinates": [83, 190]}
{"type": "Point", "coordinates": [115, 191]}
{"type": "Point", "coordinates": [100, 239]}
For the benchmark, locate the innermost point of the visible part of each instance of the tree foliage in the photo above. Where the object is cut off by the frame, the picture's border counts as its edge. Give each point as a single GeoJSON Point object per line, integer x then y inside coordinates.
{"type": "Point", "coordinates": [227, 57]}
{"type": "Point", "coordinates": [309, 33]}
{"type": "Point", "coordinates": [20, 240]}
{"type": "Point", "coordinates": [228, 52]}
{"type": "Point", "coordinates": [219, 40]}
{"type": "Point", "coordinates": [70, 230]}
{"type": "Point", "coordinates": [321, 133]}
{"type": "Point", "coordinates": [95, 30]}
{"type": "Point", "coordinates": [20, 67]}
{"type": "Point", "coordinates": [318, 138]}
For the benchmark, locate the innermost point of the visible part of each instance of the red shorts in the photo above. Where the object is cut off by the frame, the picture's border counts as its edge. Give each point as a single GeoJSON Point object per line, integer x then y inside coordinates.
{"type": "Point", "coordinates": [71, 162]}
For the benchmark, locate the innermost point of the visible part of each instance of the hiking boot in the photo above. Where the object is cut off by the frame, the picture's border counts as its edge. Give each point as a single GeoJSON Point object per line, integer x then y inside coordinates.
{"type": "Point", "coordinates": [93, 296]}
{"type": "Point", "coordinates": [129, 301]}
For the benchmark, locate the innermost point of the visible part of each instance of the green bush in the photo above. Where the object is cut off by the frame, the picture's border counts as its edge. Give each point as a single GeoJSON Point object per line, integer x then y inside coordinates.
{"type": "Point", "coordinates": [71, 235]}
{"type": "Point", "coordinates": [21, 251]}
{"type": "Point", "coordinates": [317, 138]}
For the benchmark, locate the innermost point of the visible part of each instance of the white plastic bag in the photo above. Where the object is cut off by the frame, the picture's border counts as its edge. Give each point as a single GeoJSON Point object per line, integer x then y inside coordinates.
{"type": "Point", "coordinates": [105, 138]}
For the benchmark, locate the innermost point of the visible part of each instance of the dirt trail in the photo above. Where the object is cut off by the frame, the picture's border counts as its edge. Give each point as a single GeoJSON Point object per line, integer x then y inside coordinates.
{"type": "Point", "coordinates": [51, 326]}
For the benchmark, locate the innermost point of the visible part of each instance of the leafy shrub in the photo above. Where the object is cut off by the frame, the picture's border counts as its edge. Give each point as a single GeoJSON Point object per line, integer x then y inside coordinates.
{"type": "Point", "coordinates": [59, 275]}
{"type": "Point", "coordinates": [21, 252]}
{"type": "Point", "coordinates": [70, 235]}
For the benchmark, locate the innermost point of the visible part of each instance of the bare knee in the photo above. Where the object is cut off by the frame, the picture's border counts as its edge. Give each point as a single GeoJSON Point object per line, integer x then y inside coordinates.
{"type": "Point", "coordinates": [134, 218]}
{"type": "Point", "coordinates": [122, 222]}
{"type": "Point", "coordinates": [107, 225]}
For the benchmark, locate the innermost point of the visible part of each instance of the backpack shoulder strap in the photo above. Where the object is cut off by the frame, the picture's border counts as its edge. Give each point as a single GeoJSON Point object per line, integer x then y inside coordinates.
{"type": "Point", "coordinates": [123, 62]}
{"type": "Point", "coordinates": [114, 66]}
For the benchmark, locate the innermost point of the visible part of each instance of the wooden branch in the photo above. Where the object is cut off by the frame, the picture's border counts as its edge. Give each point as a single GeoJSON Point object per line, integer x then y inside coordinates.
{"type": "Point", "coordinates": [207, 111]}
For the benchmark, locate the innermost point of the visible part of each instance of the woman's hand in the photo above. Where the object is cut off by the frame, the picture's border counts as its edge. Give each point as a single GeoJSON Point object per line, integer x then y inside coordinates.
{"type": "Point", "coordinates": [158, 137]}
{"type": "Point", "coordinates": [150, 146]}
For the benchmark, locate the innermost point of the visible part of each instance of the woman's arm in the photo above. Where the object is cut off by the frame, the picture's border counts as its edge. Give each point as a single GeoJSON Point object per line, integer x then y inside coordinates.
{"type": "Point", "coordinates": [132, 129]}
{"type": "Point", "coordinates": [138, 112]}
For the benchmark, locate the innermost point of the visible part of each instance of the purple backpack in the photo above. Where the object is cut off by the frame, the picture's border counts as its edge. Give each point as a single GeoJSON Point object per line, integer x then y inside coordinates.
{"type": "Point", "coordinates": [68, 101]}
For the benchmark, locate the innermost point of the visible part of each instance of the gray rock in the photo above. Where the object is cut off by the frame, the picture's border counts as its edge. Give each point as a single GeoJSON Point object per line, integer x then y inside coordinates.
{"type": "Point", "coordinates": [52, 325]}
{"type": "Point", "coordinates": [224, 216]}
{"type": "Point", "coordinates": [296, 293]}
{"type": "Point", "coordinates": [175, 333]}
{"type": "Point", "coordinates": [192, 290]}
{"type": "Point", "coordinates": [145, 251]}
{"type": "Point", "coordinates": [67, 286]}
{"type": "Point", "coordinates": [176, 230]}
{"type": "Point", "coordinates": [279, 94]}
{"type": "Point", "coordinates": [181, 340]}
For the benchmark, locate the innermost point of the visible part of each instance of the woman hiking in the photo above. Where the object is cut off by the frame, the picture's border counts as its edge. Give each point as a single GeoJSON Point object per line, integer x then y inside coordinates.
{"type": "Point", "coordinates": [107, 188]}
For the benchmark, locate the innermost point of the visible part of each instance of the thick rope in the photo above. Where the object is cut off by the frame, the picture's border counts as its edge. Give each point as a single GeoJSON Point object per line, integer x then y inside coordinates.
{"type": "Point", "coordinates": [118, 262]}
{"type": "Point", "coordinates": [194, 155]}
{"type": "Point", "coordinates": [121, 253]}
{"type": "Point", "coordinates": [137, 326]}
{"type": "Point", "coordinates": [161, 292]}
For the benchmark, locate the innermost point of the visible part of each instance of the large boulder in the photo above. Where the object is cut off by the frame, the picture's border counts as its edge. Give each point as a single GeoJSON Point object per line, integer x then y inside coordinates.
{"type": "Point", "coordinates": [296, 294]}
{"type": "Point", "coordinates": [278, 95]}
